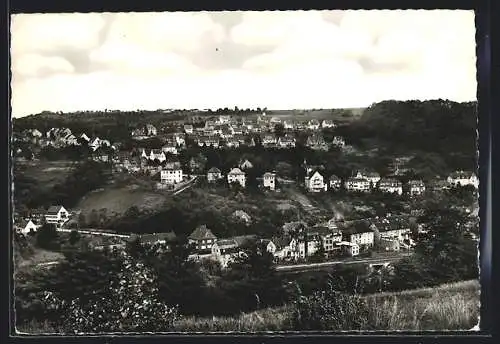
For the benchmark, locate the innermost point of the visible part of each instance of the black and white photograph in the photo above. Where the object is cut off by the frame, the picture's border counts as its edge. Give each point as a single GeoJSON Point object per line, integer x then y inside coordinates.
{"type": "Point", "coordinates": [244, 172]}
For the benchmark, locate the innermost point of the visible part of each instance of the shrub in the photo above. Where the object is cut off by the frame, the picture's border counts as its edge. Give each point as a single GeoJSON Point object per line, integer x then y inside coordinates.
{"type": "Point", "coordinates": [329, 310]}
{"type": "Point", "coordinates": [134, 306]}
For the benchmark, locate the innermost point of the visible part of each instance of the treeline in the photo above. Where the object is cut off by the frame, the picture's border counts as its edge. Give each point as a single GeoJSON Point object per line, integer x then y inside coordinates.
{"type": "Point", "coordinates": [436, 126]}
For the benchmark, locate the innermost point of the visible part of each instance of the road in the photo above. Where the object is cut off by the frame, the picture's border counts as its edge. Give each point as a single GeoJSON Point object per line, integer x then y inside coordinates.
{"type": "Point", "coordinates": [94, 231]}
{"type": "Point", "coordinates": [187, 186]}
{"type": "Point", "coordinates": [318, 266]}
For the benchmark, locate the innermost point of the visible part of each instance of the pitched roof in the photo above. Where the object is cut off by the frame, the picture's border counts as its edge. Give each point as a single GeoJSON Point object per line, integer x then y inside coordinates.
{"type": "Point", "coordinates": [214, 170]}
{"type": "Point", "coordinates": [202, 232]}
{"type": "Point", "coordinates": [236, 170]}
{"type": "Point", "coordinates": [227, 243]}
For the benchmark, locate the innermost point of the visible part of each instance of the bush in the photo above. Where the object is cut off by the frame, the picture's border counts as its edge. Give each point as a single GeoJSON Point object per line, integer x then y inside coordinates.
{"type": "Point", "coordinates": [329, 310]}
{"type": "Point", "coordinates": [134, 306]}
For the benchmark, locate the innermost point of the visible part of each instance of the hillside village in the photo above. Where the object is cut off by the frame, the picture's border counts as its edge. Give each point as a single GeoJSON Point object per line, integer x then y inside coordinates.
{"type": "Point", "coordinates": [332, 238]}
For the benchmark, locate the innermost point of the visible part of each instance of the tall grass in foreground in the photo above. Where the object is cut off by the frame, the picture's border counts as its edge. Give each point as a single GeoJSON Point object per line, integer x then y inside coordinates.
{"type": "Point", "coordinates": [452, 306]}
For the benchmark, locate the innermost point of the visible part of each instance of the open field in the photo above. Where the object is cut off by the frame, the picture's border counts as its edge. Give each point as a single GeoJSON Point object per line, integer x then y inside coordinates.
{"type": "Point", "coordinates": [46, 173]}
{"type": "Point", "coordinates": [118, 200]}
{"type": "Point", "coordinates": [40, 256]}
{"type": "Point", "coordinates": [319, 114]}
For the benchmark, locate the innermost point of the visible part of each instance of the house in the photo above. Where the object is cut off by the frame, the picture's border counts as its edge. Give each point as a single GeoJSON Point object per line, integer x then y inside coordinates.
{"type": "Point", "coordinates": [241, 216]}
{"type": "Point", "coordinates": [416, 187]}
{"type": "Point", "coordinates": [391, 227]}
{"type": "Point", "coordinates": [314, 181]}
{"type": "Point", "coordinates": [85, 137]}
{"type": "Point", "coordinates": [284, 248]}
{"type": "Point", "coordinates": [197, 163]}
{"type": "Point", "coordinates": [223, 247]}
{"type": "Point", "coordinates": [188, 129]}
{"type": "Point", "coordinates": [159, 238]}
{"type": "Point", "coordinates": [202, 239]}
{"type": "Point", "coordinates": [372, 177]}
{"type": "Point", "coordinates": [313, 124]}
{"type": "Point", "coordinates": [359, 232]}
{"type": "Point", "coordinates": [288, 125]}
{"type": "Point", "coordinates": [270, 246]}
{"type": "Point", "coordinates": [151, 130]}
{"type": "Point", "coordinates": [350, 248]}
{"type": "Point", "coordinates": [57, 214]}
{"type": "Point", "coordinates": [338, 141]}
{"type": "Point", "coordinates": [463, 178]}
{"type": "Point", "coordinates": [157, 154]}
{"type": "Point", "coordinates": [327, 124]}
{"type": "Point", "coordinates": [245, 164]}
{"type": "Point", "coordinates": [169, 148]}
{"type": "Point", "coordinates": [171, 175]}
{"type": "Point", "coordinates": [314, 243]}
{"type": "Point", "coordinates": [26, 226]}
{"type": "Point", "coordinates": [269, 180]}
{"type": "Point", "coordinates": [335, 182]}
{"type": "Point", "coordinates": [236, 176]}
{"type": "Point", "coordinates": [389, 185]}
{"type": "Point", "coordinates": [316, 142]}
{"type": "Point", "coordinates": [223, 119]}
{"type": "Point", "coordinates": [269, 140]}
{"type": "Point", "coordinates": [214, 174]}
{"type": "Point", "coordinates": [357, 184]}
{"type": "Point", "coordinates": [286, 142]}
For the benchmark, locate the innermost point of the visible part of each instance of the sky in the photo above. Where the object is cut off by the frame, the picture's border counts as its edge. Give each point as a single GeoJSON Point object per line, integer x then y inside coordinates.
{"type": "Point", "coordinates": [276, 60]}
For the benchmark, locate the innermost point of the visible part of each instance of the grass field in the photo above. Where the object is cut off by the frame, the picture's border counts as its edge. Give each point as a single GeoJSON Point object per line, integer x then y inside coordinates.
{"type": "Point", "coordinates": [46, 173]}
{"type": "Point", "coordinates": [118, 200]}
{"type": "Point", "coordinates": [319, 114]}
{"type": "Point", "coordinates": [447, 307]}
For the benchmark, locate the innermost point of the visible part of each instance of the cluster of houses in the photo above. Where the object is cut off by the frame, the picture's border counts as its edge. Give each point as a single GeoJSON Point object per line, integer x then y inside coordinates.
{"type": "Point", "coordinates": [391, 233]}
{"type": "Point", "coordinates": [57, 215]}
{"type": "Point", "coordinates": [61, 137]}
{"type": "Point", "coordinates": [366, 181]}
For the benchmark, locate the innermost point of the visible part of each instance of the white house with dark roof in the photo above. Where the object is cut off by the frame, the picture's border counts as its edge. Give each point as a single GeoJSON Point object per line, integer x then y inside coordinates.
{"type": "Point", "coordinates": [57, 214]}
{"type": "Point", "coordinates": [390, 185]}
{"type": "Point", "coordinates": [371, 176]}
{"type": "Point", "coordinates": [214, 174]}
{"type": "Point", "coordinates": [359, 232]}
{"type": "Point", "coordinates": [314, 181]}
{"type": "Point", "coordinates": [327, 123]}
{"type": "Point", "coordinates": [236, 176]}
{"type": "Point", "coordinates": [202, 239]}
{"type": "Point", "coordinates": [26, 226]}
{"type": "Point", "coordinates": [463, 178]}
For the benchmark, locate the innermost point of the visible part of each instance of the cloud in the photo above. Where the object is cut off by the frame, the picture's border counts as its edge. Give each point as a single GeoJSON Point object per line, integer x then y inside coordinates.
{"type": "Point", "coordinates": [293, 59]}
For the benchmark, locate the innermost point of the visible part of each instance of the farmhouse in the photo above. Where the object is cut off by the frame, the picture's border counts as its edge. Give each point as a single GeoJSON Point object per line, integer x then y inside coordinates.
{"type": "Point", "coordinates": [269, 180]}
{"type": "Point", "coordinates": [236, 176]}
{"type": "Point", "coordinates": [338, 141]}
{"type": "Point", "coordinates": [202, 239]}
{"type": "Point", "coordinates": [313, 124]}
{"type": "Point", "coordinates": [463, 178]}
{"type": "Point", "coordinates": [57, 214]}
{"type": "Point", "coordinates": [389, 185]}
{"type": "Point", "coordinates": [213, 175]}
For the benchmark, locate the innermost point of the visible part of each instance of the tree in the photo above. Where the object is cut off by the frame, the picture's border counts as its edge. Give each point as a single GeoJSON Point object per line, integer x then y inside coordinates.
{"type": "Point", "coordinates": [47, 237]}
{"type": "Point", "coordinates": [74, 237]}
{"type": "Point", "coordinates": [279, 129]}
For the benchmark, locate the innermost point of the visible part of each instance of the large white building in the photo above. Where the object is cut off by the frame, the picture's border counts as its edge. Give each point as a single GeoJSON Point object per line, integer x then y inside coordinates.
{"type": "Point", "coordinates": [314, 181]}
{"type": "Point", "coordinates": [57, 215]}
{"type": "Point", "coordinates": [389, 185]}
{"type": "Point", "coordinates": [269, 180]}
{"type": "Point", "coordinates": [171, 175]}
{"type": "Point", "coordinates": [358, 184]}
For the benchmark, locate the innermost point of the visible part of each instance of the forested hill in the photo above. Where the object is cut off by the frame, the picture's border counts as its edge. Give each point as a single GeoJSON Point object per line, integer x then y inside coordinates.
{"type": "Point", "coordinates": [434, 125]}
